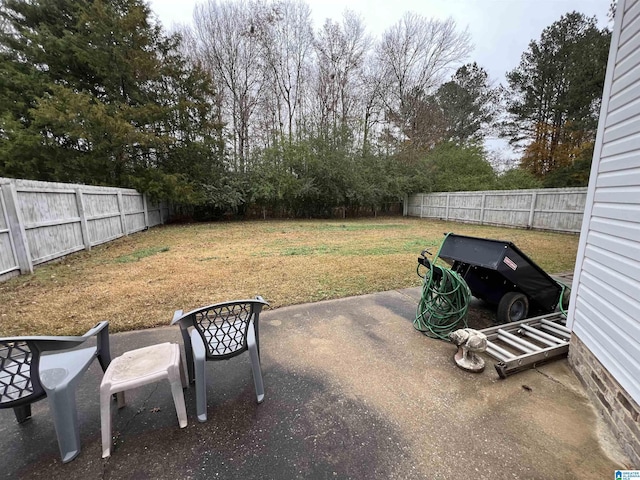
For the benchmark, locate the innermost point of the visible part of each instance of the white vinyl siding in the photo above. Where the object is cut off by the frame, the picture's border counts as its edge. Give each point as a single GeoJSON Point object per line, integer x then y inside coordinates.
{"type": "Point", "coordinates": [605, 307]}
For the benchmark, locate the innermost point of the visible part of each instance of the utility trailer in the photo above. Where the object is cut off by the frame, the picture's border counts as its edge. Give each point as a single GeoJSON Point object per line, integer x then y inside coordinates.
{"type": "Point", "coordinates": [500, 274]}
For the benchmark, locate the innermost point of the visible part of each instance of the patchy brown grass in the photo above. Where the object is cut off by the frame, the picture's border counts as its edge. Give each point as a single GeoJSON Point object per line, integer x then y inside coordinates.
{"type": "Point", "coordinates": [138, 281]}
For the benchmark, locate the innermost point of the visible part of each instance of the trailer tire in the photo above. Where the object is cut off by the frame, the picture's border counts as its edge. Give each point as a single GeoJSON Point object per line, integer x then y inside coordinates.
{"type": "Point", "coordinates": [513, 306]}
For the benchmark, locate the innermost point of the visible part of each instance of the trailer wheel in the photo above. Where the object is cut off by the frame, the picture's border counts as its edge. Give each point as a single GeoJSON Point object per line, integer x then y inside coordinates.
{"type": "Point", "coordinates": [513, 307]}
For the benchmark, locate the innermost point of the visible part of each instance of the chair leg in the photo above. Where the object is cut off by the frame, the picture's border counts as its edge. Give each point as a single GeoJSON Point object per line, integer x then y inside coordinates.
{"type": "Point", "coordinates": [199, 356]}
{"type": "Point", "coordinates": [121, 400]}
{"type": "Point", "coordinates": [201, 389]}
{"type": "Point", "coordinates": [255, 365]}
{"type": "Point", "coordinates": [104, 352]}
{"type": "Point", "coordinates": [183, 377]}
{"type": "Point", "coordinates": [62, 402]}
{"type": "Point", "coordinates": [188, 353]}
{"type": "Point", "coordinates": [105, 421]}
{"type": "Point", "coordinates": [178, 397]}
{"type": "Point", "coordinates": [22, 413]}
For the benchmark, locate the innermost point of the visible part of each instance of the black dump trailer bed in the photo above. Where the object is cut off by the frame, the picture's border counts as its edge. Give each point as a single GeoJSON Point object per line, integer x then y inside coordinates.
{"type": "Point", "coordinates": [500, 274]}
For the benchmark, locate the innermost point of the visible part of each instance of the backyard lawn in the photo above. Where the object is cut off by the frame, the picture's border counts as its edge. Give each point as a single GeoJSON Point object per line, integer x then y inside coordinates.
{"type": "Point", "coordinates": [138, 281]}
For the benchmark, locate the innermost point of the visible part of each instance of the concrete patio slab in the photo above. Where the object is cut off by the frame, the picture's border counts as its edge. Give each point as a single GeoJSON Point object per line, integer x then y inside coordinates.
{"type": "Point", "coordinates": [352, 391]}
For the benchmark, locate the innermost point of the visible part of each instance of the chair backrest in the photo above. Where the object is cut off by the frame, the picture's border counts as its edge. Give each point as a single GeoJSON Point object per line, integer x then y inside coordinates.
{"type": "Point", "coordinates": [224, 326]}
{"type": "Point", "coordinates": [19, 377]}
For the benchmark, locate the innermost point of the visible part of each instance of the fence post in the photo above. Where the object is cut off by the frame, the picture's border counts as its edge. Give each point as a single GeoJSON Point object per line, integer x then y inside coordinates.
{"type": "Point", "coordinates": [446, 210]}
{"type": "Point", "coordinates": [484, 197]}
{"type": "Point", "coordinates": [532, 210]}
{"type": "Point", "coordinates": [123, 218]}
{"type": "Point", "coordinates": [405, 205]}
{"type": "Point", "coordinates": [16, 228]}
{"type": "Point", "coordinates": [83, 220]}
{"type": "Point", "coordinates": [146, 210]}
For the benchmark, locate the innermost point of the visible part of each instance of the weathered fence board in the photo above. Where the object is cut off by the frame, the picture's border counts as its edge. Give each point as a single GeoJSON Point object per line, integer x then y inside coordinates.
{"type": "Point", "coordinates": [41, 221]}
{"type": "Point", "coordinates": [8, 259]}
{"type": "Point", "coordinates": [556, 209]}
{"type": "Point", "coordinates": [134, 212]}
{"type": "Point", "coordinates": [51, 222]}
{"type": "Point", "coordinates": [155, 213]}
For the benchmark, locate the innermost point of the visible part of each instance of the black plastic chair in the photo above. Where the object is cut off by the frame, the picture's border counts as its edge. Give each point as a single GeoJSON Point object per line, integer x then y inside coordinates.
{"type": "Point", "coordinates": [27, 375]}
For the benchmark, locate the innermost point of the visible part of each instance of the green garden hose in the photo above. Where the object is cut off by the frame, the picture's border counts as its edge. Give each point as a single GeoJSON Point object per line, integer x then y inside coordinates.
{"type": "Point", "coordinates": [561, 301]}
{"type": "Point", "coordinates": [444, 302]}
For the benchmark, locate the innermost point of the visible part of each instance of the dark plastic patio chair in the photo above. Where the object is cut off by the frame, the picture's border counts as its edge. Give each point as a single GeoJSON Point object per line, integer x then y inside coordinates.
{"type": "Point", "coordinates": [219, 332]}
{"type": "Point", "coordinates": [29, 373]}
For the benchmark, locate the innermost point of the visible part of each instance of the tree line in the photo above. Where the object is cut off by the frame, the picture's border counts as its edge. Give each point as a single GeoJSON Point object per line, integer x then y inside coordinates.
{"type": "Point", "coordinates": [250, 107]}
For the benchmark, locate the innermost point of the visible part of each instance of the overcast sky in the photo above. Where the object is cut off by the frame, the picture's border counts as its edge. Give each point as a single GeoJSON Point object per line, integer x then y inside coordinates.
{"type": "Point", "coordinates": [500, 29]}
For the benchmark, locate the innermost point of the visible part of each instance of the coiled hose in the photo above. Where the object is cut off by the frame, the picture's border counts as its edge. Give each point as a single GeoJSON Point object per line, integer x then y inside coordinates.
{"type": "Point", "coordinates": [563, 301]}
{"type": "Point", "coordinates": [444, 302]}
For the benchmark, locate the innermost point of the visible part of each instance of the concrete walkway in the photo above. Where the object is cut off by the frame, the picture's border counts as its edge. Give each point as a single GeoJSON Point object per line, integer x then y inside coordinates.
{"type": "Point", "coordinates": [352, 391]}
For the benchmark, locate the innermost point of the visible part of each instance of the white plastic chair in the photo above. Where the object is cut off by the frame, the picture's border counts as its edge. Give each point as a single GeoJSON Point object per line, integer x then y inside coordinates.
{"type": "Point", "coordinates": [220, 332]}
{"type": "Point", "coordinates": [26, 376]}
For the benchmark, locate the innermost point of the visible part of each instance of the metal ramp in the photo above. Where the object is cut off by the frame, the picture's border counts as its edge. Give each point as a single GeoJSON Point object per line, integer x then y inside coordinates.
{"type": "Point", "coordinates": [523, 344]}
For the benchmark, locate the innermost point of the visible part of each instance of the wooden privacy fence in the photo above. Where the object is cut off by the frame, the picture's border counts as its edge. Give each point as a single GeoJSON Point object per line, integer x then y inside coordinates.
{"type": "Point", "coordinates": [556, 209]}
{"type": "Point", "coordinates": [40, 221]}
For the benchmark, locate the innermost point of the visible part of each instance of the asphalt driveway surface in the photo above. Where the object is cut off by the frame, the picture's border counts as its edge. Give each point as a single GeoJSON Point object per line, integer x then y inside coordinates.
{"type": "Point", "coordinates": [352, 391]}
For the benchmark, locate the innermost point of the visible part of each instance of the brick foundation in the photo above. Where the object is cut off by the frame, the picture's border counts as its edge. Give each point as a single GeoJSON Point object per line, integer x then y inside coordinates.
{"type": "Point", "coordinates": [616, 407]}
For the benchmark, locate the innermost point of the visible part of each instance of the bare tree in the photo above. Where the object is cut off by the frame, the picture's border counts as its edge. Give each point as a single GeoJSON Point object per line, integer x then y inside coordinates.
{"type": "Point", "coordinates": [340, 51]}
{"type": "Point", "coordinates": [190, 49]}
{"type": "Point", "coordinates": [287, 37]}
{"type": "Point", "coordinates": [372, 94]}
{"type": "Point", "coordinates": [227, 36]}
{"type": "Point", "coordinates": [416, 55]}
{"type": "Point", "coordinates": [275, 80]}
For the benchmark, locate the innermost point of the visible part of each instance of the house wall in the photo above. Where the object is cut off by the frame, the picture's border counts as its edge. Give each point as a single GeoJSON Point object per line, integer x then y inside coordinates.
{"type": "Point", "coordinates": [605, 302]}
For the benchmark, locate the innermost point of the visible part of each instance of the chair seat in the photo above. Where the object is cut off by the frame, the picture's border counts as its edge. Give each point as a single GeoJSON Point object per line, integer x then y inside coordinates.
{"type": "Point", "coordinates": [142, 366]}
